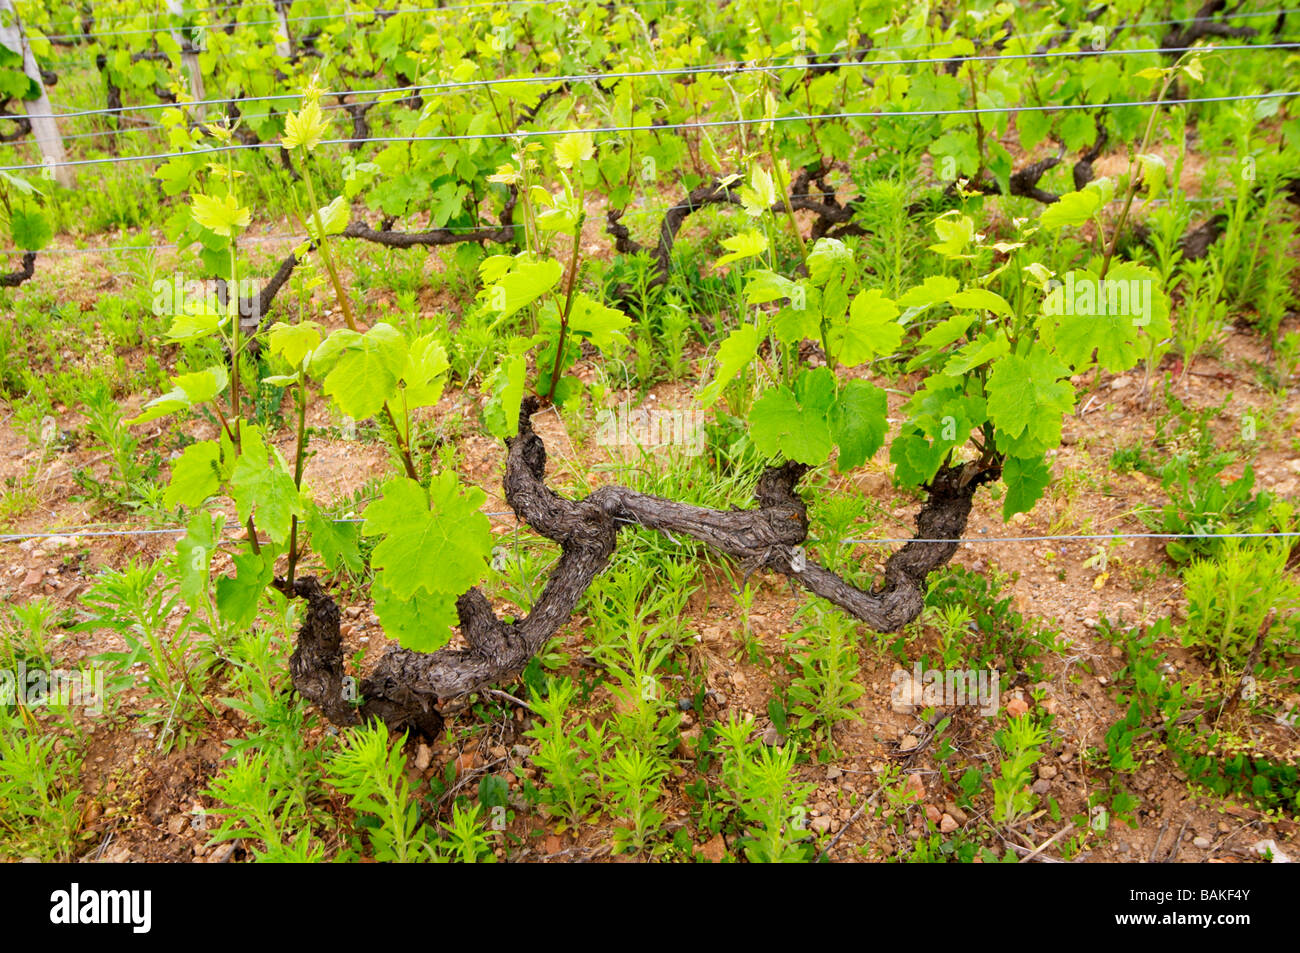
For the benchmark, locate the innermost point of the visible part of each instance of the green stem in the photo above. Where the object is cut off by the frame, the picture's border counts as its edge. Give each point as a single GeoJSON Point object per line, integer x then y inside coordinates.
{"type": "Point", "coordinates": [298, 461]}
{"type": "Point", "coordinates": [570, 284]}
{"type": "Point", "coordinates": [1134, 179]}
{"type": "Point", "coordinates": [328, 258]}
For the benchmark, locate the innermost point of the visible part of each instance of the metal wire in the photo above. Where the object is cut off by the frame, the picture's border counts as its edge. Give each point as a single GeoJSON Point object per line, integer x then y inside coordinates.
{"type": "Point", "coordinates": [79, 533]}
{"type": "Point", "coordinates": [732, 68]}
{"type": "Point", "coordinates": [700, 124]}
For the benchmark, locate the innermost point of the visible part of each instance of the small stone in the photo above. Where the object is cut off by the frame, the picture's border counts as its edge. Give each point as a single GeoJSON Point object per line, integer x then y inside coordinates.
{"type": "Point", "coordinates": [905, 693]}
{"type": "Point", "coordinates": [1201, 842]}
{"type": "Point", "coordinates": [423, 758]}
{"type": "Point", "coordinates": [1017, 707]}
{"type": "Point", "coordinates": [932, 814]}
{"type": "Point", "coordinates": [773, 738]}
{"type": "Point", "coordinates": [688, 742]}
{"type": "Point", "coordinates": [1041, 786]}
{"type": "Point", "coordinates": [947, 824]}
{"type": "Point", "coordinates": [822, 825]}
{"type": "Point", "coordinates": [1268, 849]}
{"type": "Point", "coordinates": [915, 786]}
{"type": "Point", "coordinates": [466, 761]}
{"type": "Point", "coordinates": [683, 704]}
{"type": "Point", "coordinates": [345, 629]}
{"type": "Point", "coordinates": [908, 743]}
{"type": "Point", "coordinates": [1047, 771]}
{"type": "Point", "coordinates": [950, 807]}
{"type": "Point", "coordinates": [714, 850]}
{"type": "Point", "coordinates": [352, 612]}
{"type": "Point", "coordinates": [834, 772]}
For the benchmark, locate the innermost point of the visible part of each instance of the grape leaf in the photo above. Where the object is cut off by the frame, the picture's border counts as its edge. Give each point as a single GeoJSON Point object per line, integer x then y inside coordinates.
{"type": "Point", "coordinates": [871, 330]}
{"type": "Point", "coordinates": [858, 421]}
{"type": "Point", "coordinates": [795, 425]}
{"type": "Point", "coordinates": [435, 542]}
{"type": "Point", "coordinates": [933, 290]}
{"type": "Point", "coordinates": [238, 595]}
{"type": "Point", "coordinates": [421, 623]}
{"type": "Point", "coordinates": [742, 246]}
{"type": "Point", "coordinates": [739, 348]}
{"type": "Point", "coordinates": [195, 476]}
{"type": "Point", "coordinates": [194, 554]}
{"type": "Point", "coordinates": [425, 372]}
{"type": "Point", "coordinates": [525, 283]}
{"type": "Point", "coordinates": [190, 389]}
{"type": "Point", "coordinates": [293, 342]}
{"type": "Point", "coordinates": [1026, 399]}
{"type": "Point", "coordinates": [980, 299]}
{"type": "Point", "coordinates": [501, 415]}
{"type": "Point", "coordinates": [1025, 479]}
{"type": "Point", "coordinates": [762, 286]}
{"type": "Point", "coordinates": [365, 374]}
{"type": "Point", "coordinates": [262, 489]}
{"type": "Point", "coordinates": [1116, 319]}
{"type": "Point", "coordinates": [30, 230]}
{"type": "Point", "coordinates": [1071, 209]}
{"type": "Point", "coordinates": [337, 543]}
{"type": "Point", "coordinates": [829, 257]}
{"type": "Point", "coordinates": [602, 325]}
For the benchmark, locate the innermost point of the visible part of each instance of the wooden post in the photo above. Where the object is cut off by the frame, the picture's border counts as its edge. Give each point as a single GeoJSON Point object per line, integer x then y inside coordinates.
{"type": "Point", "coordinates": [283, 47]}
{"type": "Point", "coordinates": [45, 128]}
{"type": "Point", "coordinates": [189, 58]}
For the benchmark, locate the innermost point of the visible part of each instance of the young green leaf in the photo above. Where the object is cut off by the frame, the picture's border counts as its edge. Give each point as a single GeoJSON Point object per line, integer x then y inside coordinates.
{"type": "Point", "coordinates": [437, 542]}
{"type": "Point", "coordinates": [195, 476]}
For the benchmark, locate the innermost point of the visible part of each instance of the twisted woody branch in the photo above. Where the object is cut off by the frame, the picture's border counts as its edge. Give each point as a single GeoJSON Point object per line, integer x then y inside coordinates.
{"type": "Point", "coordinates": [411, 689]}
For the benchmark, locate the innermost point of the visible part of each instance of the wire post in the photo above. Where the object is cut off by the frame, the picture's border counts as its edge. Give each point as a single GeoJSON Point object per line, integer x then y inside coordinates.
{"type": "Point", "coordinates": [188, 39]}
{"type": "Point", "coordinates": [283, 46]}
{"type": "Point", "coordinates": [45, 128]}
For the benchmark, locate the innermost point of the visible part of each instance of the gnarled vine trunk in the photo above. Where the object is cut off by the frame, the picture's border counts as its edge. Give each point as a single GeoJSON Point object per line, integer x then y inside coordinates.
{"type": "Point", "coordinates": [410, 689]}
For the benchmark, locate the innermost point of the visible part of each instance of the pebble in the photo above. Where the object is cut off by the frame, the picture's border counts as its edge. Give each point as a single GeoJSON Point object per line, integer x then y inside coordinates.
{"type": "Point", "coordinates": [951, 808]}
{"type": "Point", "coordinates": [773, 738]}
{"type": "Point", "coordinates": [1041, 786]}
{"type": "Point", "coordinates": [833, 772]}
{"type": "Point", "coordinates": [947, 824]}
{"type": "Point", "coordinates": [1201, 842]}
{"type": "Point", "coordinates": [1017, 707]}
{"type": "Point", "coordinates": [1047, 771]}
{"type": "Point", "coordinates": [932, 813]}
{"type": "Point", "coordinates": [822, 825]}
{"type": "Point", "coordinates": [423, 758]}
{"type": "Point", "coordinates": [683, 704]}
{"type": "Point", "coordinates": [908, 743]}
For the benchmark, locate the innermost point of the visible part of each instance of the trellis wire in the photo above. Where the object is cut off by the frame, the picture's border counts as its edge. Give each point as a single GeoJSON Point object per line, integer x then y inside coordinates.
{"type": "Point", "coordinates": [74, 533]}
{"type": "Point", "coordinates": [732, 68]}
{"type": "Point", "coordinates": [701, 124]}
